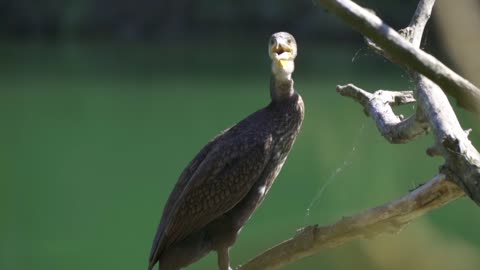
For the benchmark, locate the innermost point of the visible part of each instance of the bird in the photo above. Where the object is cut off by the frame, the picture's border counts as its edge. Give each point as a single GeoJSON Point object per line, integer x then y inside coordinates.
{"type": "Point", "coordinates": [228, 179]}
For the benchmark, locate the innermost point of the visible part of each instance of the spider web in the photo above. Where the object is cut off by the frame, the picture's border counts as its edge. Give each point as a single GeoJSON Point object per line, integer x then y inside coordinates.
{"type": "Point", "coordinates": [347, 162]}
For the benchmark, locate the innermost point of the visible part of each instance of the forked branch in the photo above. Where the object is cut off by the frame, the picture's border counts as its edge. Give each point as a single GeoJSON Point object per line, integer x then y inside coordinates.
{"type": "Point", "coordinates": [403, 52]}
{"type": "Point", "coordinates": [434, 112]}
{"type": "Point", "coordinates": [379, 106]}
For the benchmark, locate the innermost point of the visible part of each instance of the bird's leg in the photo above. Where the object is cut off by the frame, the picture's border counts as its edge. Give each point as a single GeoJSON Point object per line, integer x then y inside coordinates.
{"type": "Point", "coordinates": [223, 259]}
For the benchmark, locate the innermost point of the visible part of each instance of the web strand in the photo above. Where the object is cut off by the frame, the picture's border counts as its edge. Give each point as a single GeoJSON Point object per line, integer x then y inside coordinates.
{"type": "Point", "coordinates": [347, 162]}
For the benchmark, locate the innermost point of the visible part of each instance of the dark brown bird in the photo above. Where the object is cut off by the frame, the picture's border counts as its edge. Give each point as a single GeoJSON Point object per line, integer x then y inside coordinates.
{"type": "Point", "coordinates": [229, 178]}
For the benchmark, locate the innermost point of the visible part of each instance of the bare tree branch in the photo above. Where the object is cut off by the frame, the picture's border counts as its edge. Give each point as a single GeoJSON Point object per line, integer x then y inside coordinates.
{"type": "Point", "coordinates": [462, 160]}
{"type": "Point", "coordinates": [378, 106]}
{"type": "Point", "coordinates": [402, 51]}
{"type": "Point", "coordinates": [390, 217]}
{"type": "Point", "coordinates": [433, 112]}
{"type": "Point", "coordinates": [419, 21]}
{"type": "Point", "coordinates": [451, 141]}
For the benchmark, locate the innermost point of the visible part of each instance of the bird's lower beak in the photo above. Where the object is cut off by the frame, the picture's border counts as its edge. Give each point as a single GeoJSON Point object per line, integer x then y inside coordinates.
{"type": "Point", "coordinates": [281, 52]}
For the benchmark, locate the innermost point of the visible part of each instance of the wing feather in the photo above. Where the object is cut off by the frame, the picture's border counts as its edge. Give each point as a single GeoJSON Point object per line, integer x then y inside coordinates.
{"type": "Point", "coordinates": [175, 194]}
{"type": "Point", "coordinates": [213, 183]}
{"type": "Point", "coordinates": [222, 180]}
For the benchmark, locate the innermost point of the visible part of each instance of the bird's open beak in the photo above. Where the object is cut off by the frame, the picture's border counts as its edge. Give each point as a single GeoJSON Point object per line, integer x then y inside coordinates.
{"type": "Point", "coordinates": [282, 53]}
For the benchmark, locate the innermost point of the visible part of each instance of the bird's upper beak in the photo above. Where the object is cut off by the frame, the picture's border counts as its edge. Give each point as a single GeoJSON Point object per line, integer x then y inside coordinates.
{"type": "Point", "coordinates": [281, 52]}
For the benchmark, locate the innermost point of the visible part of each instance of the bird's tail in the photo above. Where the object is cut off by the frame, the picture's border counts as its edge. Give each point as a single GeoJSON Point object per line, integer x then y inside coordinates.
{"type": "Point", "coordinates": [151, 265]}
{"type": "Point", "coordinates": [156, 247]}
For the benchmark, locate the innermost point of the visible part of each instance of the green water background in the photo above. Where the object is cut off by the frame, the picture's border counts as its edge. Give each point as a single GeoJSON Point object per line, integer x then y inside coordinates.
{"type": "Point", "coordinates": [94, 136]}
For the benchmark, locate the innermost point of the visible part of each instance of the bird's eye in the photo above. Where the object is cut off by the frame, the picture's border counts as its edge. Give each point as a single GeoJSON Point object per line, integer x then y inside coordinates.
{"type": "Point", "coordinates": [289, 41]}
{"type": "Point", "coordinates": [271, 41]}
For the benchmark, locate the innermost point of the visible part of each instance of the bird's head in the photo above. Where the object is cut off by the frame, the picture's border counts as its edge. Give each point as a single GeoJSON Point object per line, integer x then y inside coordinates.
{"type": "Point", "coordinates": [282, 49]}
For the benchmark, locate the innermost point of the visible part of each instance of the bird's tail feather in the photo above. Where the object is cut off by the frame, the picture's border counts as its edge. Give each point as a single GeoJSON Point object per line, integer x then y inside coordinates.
{"type": "Point", "coordinates": [156, 247]}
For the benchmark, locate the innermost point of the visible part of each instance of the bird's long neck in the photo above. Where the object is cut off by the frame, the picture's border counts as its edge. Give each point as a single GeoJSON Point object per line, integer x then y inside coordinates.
{"type": "Point", "coordinates": [281, 87]}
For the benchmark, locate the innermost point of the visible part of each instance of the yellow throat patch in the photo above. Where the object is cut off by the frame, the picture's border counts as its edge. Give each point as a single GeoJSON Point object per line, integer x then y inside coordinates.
{"type": "Point", "coordinates": [283, 62]}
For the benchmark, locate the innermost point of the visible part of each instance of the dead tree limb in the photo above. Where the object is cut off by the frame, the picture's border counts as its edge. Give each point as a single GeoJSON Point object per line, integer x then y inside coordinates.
{"type": "Point", "coordinates": [379, 106]}
{"type": "Point", "coordinates": [387, 218]}
{"type": "Point", "coordinates": [434, 113]}
{"type": "Point", "coordinates": [405, 53]}
{"type": "Point", "coordinates": [462, 160]}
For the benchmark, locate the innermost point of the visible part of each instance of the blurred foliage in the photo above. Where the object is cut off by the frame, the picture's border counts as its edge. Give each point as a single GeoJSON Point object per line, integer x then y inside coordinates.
{"type": "Point", "coordinates": [158, 19]}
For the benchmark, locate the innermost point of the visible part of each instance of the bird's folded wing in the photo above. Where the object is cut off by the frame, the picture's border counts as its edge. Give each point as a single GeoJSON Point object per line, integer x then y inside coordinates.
{"type": "Point", "coordinates": [175, 194]}
{"type": "Point", "coordinates": [221, 181]}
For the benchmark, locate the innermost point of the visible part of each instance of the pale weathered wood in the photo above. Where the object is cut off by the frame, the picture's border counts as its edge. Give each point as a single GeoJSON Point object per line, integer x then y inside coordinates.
{"type": "Point", "coordinates": [387, 218]}
{"type": "Point", "coordinates": [378, 105]}
{"type": "Point", "coordinates": [402, 51]}
{"type": "Point", "coordinates": [434, 112]}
